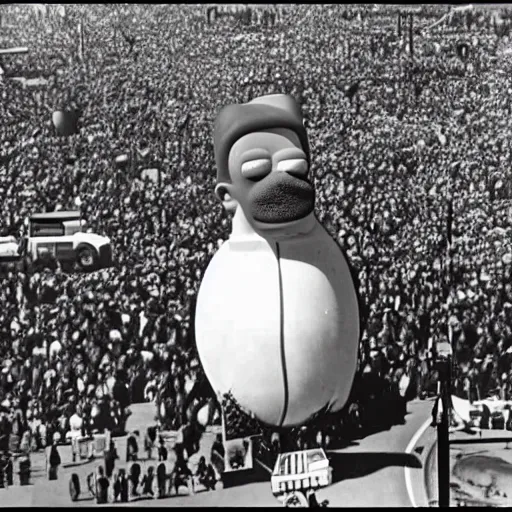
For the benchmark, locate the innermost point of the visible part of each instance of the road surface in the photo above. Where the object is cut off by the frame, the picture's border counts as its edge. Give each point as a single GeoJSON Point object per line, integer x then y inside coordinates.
{"type": "Point", "coordinates": [370, 473]}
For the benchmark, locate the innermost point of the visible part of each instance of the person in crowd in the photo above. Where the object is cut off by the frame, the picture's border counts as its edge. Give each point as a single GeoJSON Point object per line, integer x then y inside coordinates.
{"type": "Point", "coordinates": [54, 461]}
{"type": "Point", "coordinates": [148, 482]}
{"type": "Point", "coordinates": [149, 441]}
{"type": "Point", "coordinates": [191, 435]}
{"type": "Point", "coordinates": [217, 453]}
{"type": "Point", "coordinates": [182, 474]}
{"type": "Point", "coordinates": [134, 478]}
{"type": "Point", "coordinates": [25, 469]}
{"type": "Point", "coordinates": [132, 447]}
{"type": "Point", "coordinates": [3, 467]}
{"type": "Point", "coordinates": [161, 477]}
{"type": "Point", "coordinates": [201, 467]}
{"type": "Point", "coordinates": [26, 442]}
{"type": "Point", "coordinates": [121, 487]}
{"type": "Point", "coordinates": [9, 470]}
{"type": "Point", "coordinates": [162, 450]}
{"type": "Point", "coordinates": [205, 474]}
{"type": "Point", "coordinates": [5, 431]}
{"type": "Point", "coordinates": [110, 459]}
{"type": "Point", "coordinates": [102, 485]}
{"type": "Point", "coordinates": [210, 478]}
{"type": "Point", "coordinates": [91, 483]}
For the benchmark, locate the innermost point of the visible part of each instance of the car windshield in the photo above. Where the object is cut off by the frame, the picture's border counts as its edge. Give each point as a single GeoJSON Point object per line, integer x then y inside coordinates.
{"type": "Point", "coordinates": [315, 456]}
{"type": "Point", "coordinates": [47, 228]}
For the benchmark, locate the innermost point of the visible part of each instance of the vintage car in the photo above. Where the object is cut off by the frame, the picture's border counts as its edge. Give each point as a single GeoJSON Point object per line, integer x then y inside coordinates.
{"type": "Point", "coordinates": [9, 248]}
{"type": "Point", "coordinates": [59, 235]}
{"type": "Point", "coordinates": [296, 474]}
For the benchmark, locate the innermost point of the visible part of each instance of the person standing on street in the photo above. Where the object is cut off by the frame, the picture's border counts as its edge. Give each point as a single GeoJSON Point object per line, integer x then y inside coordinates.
{"type": "Point", "coordinates": [53, 462]}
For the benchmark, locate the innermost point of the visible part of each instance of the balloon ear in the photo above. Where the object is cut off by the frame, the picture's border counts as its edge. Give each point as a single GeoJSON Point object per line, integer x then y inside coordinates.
{"type": "Point", "coordinates": [223, 191]}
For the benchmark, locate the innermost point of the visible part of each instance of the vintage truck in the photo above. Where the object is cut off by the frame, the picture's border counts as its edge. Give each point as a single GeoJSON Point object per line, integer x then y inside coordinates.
{"type": "Point", "coordinates": [297, 474]}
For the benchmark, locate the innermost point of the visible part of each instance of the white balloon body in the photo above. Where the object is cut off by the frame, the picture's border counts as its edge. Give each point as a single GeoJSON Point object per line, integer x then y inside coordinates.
{"type": "Point", "coordinates": [277, 325]}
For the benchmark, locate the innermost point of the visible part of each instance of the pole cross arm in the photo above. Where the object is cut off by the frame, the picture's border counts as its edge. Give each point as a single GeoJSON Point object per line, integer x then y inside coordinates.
{"type": "Point", "coordinates": [493, 440]}
{"type": "Point", "coordinates": [20, 50]}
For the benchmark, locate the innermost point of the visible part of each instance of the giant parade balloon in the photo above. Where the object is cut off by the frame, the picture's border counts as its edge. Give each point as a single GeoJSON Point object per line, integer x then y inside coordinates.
{"type": "Point", "coordinates": [277, 314]}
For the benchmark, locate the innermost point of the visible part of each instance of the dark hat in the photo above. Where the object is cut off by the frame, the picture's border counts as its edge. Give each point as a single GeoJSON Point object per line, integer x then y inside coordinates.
{"type": "Point", "coordinates": [263, 113]}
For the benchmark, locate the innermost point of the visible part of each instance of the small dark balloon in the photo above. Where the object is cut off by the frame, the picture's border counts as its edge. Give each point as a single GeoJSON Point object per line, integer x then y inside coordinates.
{"type": "Point", "coordinates": [65, 122]}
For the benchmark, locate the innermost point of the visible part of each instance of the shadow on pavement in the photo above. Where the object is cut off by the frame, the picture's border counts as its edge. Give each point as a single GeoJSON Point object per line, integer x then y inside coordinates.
{"type": "Point", "coordinates": [142, 498]}
{"type": "Point", "coordinates": [239, 478]}
{"type": "Point", "coordinates": [339, 445]}
{"type": "Point", "coordinates": [68, 465]}
{"type": "Point", "coordinates": [355, 465]}
{"type": "Point", "coordinates": [87, 498]}
{"type": "Point", "coordinates": [378, 418]}
{"type": "Point", "coordinates": [419, 450]}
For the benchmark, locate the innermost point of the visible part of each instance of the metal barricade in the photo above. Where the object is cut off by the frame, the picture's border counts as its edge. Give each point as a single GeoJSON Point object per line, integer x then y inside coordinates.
{"type": "Point", "coordinates": [80, 447]}
{"type": "Point", "coordinates": [101, 443]}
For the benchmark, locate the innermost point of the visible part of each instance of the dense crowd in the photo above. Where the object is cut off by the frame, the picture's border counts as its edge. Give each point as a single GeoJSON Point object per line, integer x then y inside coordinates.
{"type": "Point", "coordinates": [410, 149]}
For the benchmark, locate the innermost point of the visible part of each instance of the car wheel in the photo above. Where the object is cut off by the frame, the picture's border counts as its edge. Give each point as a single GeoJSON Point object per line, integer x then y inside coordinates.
{"type": "Point", "coordinates": [296, 500]}
{"type": "Point", "coordinates": [87, 257]}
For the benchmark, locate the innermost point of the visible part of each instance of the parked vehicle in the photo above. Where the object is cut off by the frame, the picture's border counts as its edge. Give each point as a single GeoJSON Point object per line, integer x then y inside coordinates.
{"type": "Point", "coordinates": [296, 474]}
{"type": "Point", "coordinates": [60, 236]}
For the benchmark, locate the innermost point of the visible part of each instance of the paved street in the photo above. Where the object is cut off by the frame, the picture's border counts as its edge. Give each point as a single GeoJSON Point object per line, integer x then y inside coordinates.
{"type": "Point", "coordinates": [370, 472]}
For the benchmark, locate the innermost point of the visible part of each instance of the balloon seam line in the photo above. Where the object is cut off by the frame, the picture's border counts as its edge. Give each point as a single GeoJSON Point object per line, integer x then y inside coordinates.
{"type": "Point", "coordinates": [281, 336]}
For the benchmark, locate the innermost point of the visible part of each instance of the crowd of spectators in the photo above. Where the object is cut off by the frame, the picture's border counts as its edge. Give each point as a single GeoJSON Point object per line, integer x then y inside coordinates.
{"type": "Point", "coordinates": [410, 154]}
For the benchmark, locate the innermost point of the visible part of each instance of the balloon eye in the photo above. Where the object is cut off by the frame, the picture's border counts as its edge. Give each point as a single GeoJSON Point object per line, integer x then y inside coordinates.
{"type": "Point", "coordinates": [256, 169]}
{"type": "Point", "coordinates": [297, 166]}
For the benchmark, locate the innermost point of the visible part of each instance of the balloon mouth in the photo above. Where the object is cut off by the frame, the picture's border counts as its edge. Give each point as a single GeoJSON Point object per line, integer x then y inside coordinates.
{"type": "Point", "coordinates": [281, 198]}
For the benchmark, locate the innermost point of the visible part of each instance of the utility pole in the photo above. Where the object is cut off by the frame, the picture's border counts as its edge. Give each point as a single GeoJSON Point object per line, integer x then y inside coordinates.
{"type": "Point", "coordinates": [411, 34]}
{"type": "Point", "coordinates": [81, 40]}
{"type": "Point", "coordinates": [14, 51]}
{"type": "Point", "coordinates": [21, 50]}
{"type": "Point", "coordinates": [443, 366]}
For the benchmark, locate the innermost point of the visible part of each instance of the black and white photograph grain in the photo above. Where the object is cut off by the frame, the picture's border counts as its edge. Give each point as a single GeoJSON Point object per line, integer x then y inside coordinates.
{"type": "Point", "coordinates": [255, 255]}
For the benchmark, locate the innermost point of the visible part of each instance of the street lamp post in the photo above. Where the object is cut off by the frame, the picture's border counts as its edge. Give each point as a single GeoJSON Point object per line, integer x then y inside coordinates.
{"type": "Point", "coordinates": [411, 34]}
{"type": "Point", "coordinates": [78, 204]}
{"type": "Point", "coordinates": [443, 366]}
{"type": "Point", "coordinates": [121, 164]}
